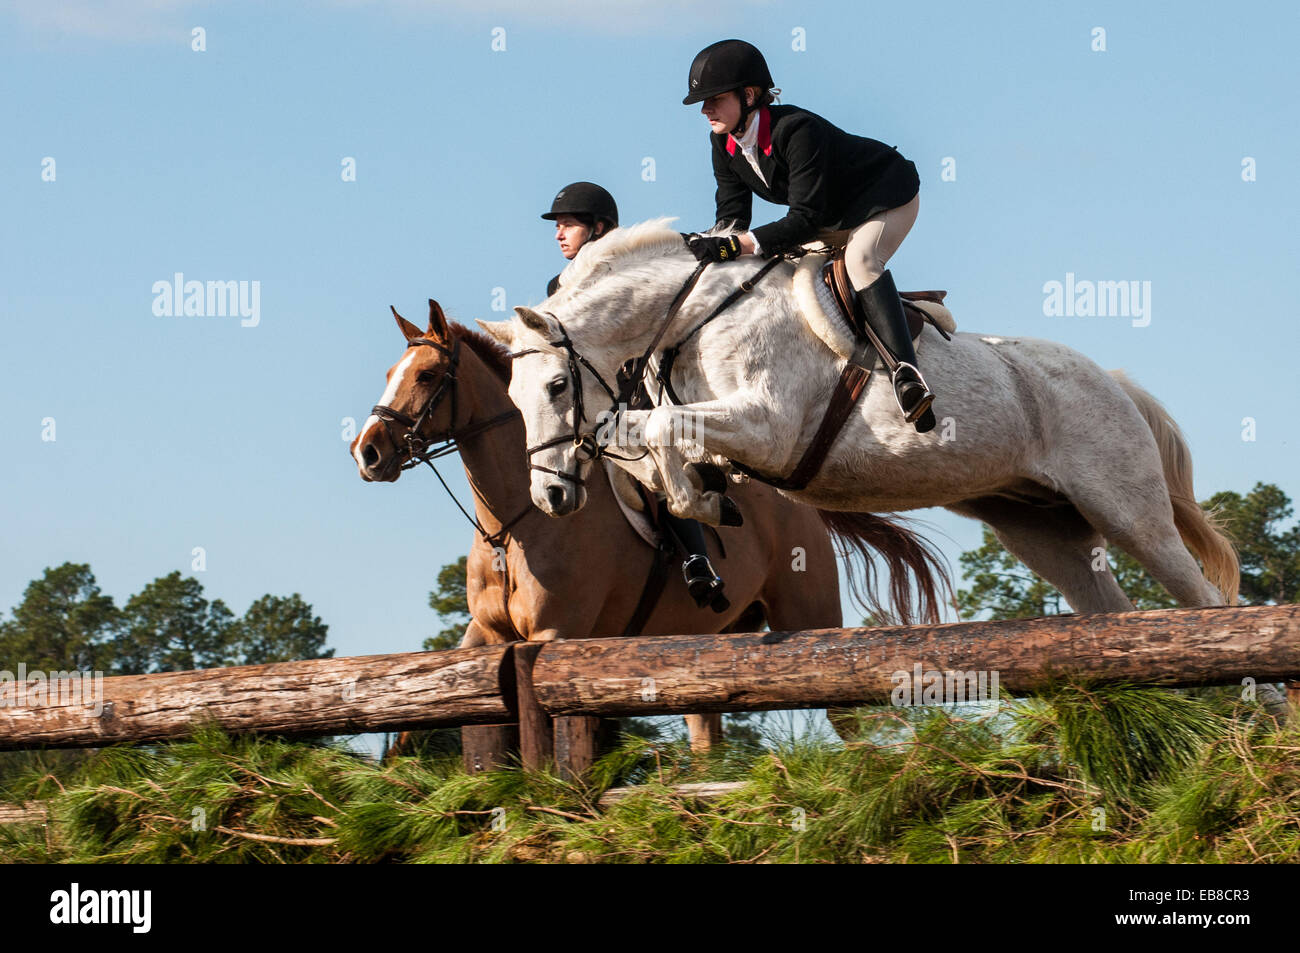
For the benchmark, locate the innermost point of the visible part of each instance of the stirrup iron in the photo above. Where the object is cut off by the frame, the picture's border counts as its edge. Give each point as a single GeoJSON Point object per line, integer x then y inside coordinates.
{"type": "Point", "coordinates": [704, 584]}
{"type": "Point", "coordinates": [923, 402]}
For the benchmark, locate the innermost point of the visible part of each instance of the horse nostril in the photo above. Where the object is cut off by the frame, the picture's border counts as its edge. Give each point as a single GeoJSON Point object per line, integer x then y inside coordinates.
{"type": "Point", "coordinates": [369, 455]}
{"type": "Point", "coordinates": [556, 495]}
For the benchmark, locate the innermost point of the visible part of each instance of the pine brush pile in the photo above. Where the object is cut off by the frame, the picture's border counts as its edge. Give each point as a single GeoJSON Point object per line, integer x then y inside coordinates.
{"type": "Point", "coordinates": [1094, 775]}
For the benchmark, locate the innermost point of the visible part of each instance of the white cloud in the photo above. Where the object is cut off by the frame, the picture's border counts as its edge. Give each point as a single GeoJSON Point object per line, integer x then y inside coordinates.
{"type": "Point", "coordinates": [622, 16]}
{"type": "Point", "coordinates": [158, 20]}
{"type": "Point", "coordinates": [116, 20]}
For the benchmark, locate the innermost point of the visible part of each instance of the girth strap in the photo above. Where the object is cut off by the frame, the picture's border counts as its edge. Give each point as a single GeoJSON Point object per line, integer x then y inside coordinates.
{"type": "Point", "coordinates": [650, 592]}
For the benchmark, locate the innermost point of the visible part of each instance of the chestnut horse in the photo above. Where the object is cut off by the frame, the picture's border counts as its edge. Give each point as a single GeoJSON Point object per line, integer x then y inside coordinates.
{"type": "Point", "coordinates": [533, 577]}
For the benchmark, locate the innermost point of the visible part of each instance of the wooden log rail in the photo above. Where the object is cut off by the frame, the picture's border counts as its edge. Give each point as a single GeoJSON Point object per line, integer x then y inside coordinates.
{"type": "Point", "coordinates": [554, 692]}
{"type": "Point", "coordinates": [311, 697]}
{"type": "Point", "coordinates": [660, 675]}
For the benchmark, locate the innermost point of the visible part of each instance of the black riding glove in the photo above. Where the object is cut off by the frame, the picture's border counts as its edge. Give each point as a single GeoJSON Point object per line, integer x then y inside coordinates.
{"type": "Point", "coordinates": [713, 247]}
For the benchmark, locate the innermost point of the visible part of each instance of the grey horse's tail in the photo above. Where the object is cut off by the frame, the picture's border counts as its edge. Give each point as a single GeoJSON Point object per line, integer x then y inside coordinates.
{"type": "Point", "coordinates": [910, 559]}
{"type": "Point", "coordinates": [1201, 532]}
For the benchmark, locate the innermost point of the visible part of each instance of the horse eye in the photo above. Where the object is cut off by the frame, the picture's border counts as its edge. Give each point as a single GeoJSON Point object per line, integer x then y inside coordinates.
{"type": "Point", "coordinates": [556, 387]}
{"type": "Point", "coordinates": [426, 377]}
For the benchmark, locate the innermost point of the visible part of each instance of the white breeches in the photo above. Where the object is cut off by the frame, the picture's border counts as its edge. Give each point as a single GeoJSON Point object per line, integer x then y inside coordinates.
{"type": "Point", "coordinates": [874, 242]}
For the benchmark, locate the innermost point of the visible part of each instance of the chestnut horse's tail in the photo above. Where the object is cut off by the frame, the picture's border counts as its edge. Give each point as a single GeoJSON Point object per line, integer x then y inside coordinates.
{"type": "Point", "coordinates": [917, 573]}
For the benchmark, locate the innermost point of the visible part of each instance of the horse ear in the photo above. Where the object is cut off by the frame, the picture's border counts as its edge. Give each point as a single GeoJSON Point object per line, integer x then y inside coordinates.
{"type": "Point", "coordinates": [437, 321]}
{"type": "Point", "coordinates": [408, 329]}
{"type": "Point", "coordinates": [500, 331]}
{"type": "Point", "coordinates": [533, 320]}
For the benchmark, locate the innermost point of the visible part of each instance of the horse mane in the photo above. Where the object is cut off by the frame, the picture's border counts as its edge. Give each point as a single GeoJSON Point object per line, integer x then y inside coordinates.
{"type": "Point", "coordinates": [654, 238]}
{"type": "Point", "coordinates": [493, 354]}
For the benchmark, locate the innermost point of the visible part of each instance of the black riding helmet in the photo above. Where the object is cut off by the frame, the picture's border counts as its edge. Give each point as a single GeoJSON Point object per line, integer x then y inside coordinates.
{"type": "Point", "coordinates": [585, 199]}
{"type": "Point", "coordinates": [724, 66]}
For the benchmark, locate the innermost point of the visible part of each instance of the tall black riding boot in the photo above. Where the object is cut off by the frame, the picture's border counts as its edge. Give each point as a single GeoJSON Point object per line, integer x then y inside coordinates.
{"type": "Point", "coordinates": [704, 585]}
{"type": "Point", "coordinates": [881, 307]}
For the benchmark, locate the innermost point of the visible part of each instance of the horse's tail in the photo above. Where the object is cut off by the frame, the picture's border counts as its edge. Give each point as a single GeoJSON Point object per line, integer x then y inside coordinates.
{"type": "Point", "coordinates": [910, 558]}
{"type": "Point", "coordinates": [1202, 533]}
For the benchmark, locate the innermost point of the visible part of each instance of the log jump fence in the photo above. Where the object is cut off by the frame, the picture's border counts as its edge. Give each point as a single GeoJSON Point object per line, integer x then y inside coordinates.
{"type": "Point", "coordinates": [545, 699]}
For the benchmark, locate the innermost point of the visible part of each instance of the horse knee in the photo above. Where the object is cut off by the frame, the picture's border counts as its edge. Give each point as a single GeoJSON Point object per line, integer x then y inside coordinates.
{"type": "Point", "coordinates": [659, 428]}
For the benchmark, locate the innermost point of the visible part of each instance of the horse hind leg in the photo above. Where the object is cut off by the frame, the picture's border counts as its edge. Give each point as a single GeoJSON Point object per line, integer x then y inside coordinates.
{"type": "Point", "coordinates": [1058, 544]}
{"type": "Point", "coordinates": [1201, 535]}
{"type": "Point", "coordinates": [1139, 519]}
{"type": "Point", "coordinates": [1156, 544]}
{"type": "Point", "coordinates": [1134, 485]}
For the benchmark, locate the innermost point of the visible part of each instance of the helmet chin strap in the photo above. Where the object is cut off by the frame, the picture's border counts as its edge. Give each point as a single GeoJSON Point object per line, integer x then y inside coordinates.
{"type": "Point", "coordinates": [746, 110]}
{"type": "Point", "coordinates": [592, 234]}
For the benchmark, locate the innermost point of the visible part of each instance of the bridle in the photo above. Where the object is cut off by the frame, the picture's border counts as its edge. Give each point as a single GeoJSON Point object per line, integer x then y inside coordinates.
{"type": "Point", "coordinates": [421, 449]}
{"type": "Point", "coordinates": [415, 443]}
{"type": "Point", "coordinates": [586, 446]}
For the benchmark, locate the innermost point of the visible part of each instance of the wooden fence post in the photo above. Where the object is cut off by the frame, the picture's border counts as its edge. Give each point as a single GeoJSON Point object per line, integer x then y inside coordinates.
{"type": "Point", "coordinates": [575, 744]}
{"type": "Point", "coordinates": [489, 746]}
{"type": "Point", "coordinates": [536, 734]}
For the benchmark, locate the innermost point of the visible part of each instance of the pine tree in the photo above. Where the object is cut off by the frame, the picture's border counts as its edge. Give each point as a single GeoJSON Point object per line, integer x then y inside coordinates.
{"type": "Point", "coordinates": [277, 629]}
{"type": "Point", "coordinates": [1270, 555]}
{"type": "Point", "coordinates": [64, 623]}
{"type": "Point", "coordinates": [170, 627]}
{"type": "Point", "coordinates": [449, 601]}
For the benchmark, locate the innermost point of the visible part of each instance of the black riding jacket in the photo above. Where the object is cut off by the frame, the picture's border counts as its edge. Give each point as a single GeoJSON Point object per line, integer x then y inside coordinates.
{"type": "Point", "coordinates": [829, 178]}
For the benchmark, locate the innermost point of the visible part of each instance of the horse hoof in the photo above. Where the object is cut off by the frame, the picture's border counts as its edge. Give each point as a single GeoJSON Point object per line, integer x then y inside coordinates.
{"type": "Point", "coordinates": [731, 515]}
{"type": "Point", "coordinates": [711, 477]}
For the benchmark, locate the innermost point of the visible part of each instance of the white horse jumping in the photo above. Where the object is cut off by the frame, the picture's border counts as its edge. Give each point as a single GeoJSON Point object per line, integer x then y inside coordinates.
{"type": "Point", "coordinates": [1036, 440]}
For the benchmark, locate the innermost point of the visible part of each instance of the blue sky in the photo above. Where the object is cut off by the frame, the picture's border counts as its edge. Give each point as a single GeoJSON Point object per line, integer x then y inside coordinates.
{"type": "Point", "coordinates": [177, 432]}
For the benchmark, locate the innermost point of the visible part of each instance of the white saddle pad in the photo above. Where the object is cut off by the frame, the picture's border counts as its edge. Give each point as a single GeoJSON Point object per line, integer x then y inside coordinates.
{"type": "Point", "coordinates": [818, 307]}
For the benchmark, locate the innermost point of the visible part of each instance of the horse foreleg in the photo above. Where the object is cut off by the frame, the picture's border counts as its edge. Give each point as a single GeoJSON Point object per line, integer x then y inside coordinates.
{"type": "Point", "coordinates": [474, 636]}
{"type": "Point", "coordinates": [730, 429]}
{"type": "Point", "coordinates": [681, 486]}
{"type": "Point", "coordinates": [738, 428]}
{"type": "Point", "coordinates": [684, 488]}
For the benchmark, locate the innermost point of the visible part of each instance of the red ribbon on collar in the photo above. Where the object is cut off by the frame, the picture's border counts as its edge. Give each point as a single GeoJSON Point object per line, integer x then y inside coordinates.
{"type": "Point", "coordinates": [764, 134]}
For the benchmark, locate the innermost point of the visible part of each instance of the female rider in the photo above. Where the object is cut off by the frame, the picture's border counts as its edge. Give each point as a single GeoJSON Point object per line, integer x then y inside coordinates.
{"type": "Point", "coordinates": [832, 182]}
{"type": "Point", "coordinates": [582, 213]}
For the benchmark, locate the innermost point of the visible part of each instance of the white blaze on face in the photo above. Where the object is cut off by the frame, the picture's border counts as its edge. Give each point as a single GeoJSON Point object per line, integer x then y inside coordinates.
{"type": "Point", "coordinates": [389, 395]}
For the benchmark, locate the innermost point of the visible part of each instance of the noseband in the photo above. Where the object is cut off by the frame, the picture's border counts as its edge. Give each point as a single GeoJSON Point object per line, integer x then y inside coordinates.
{"type": "Point", "coordinates": [585, 445]}
{"type": "Point", "coordinates": [413, 441]}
